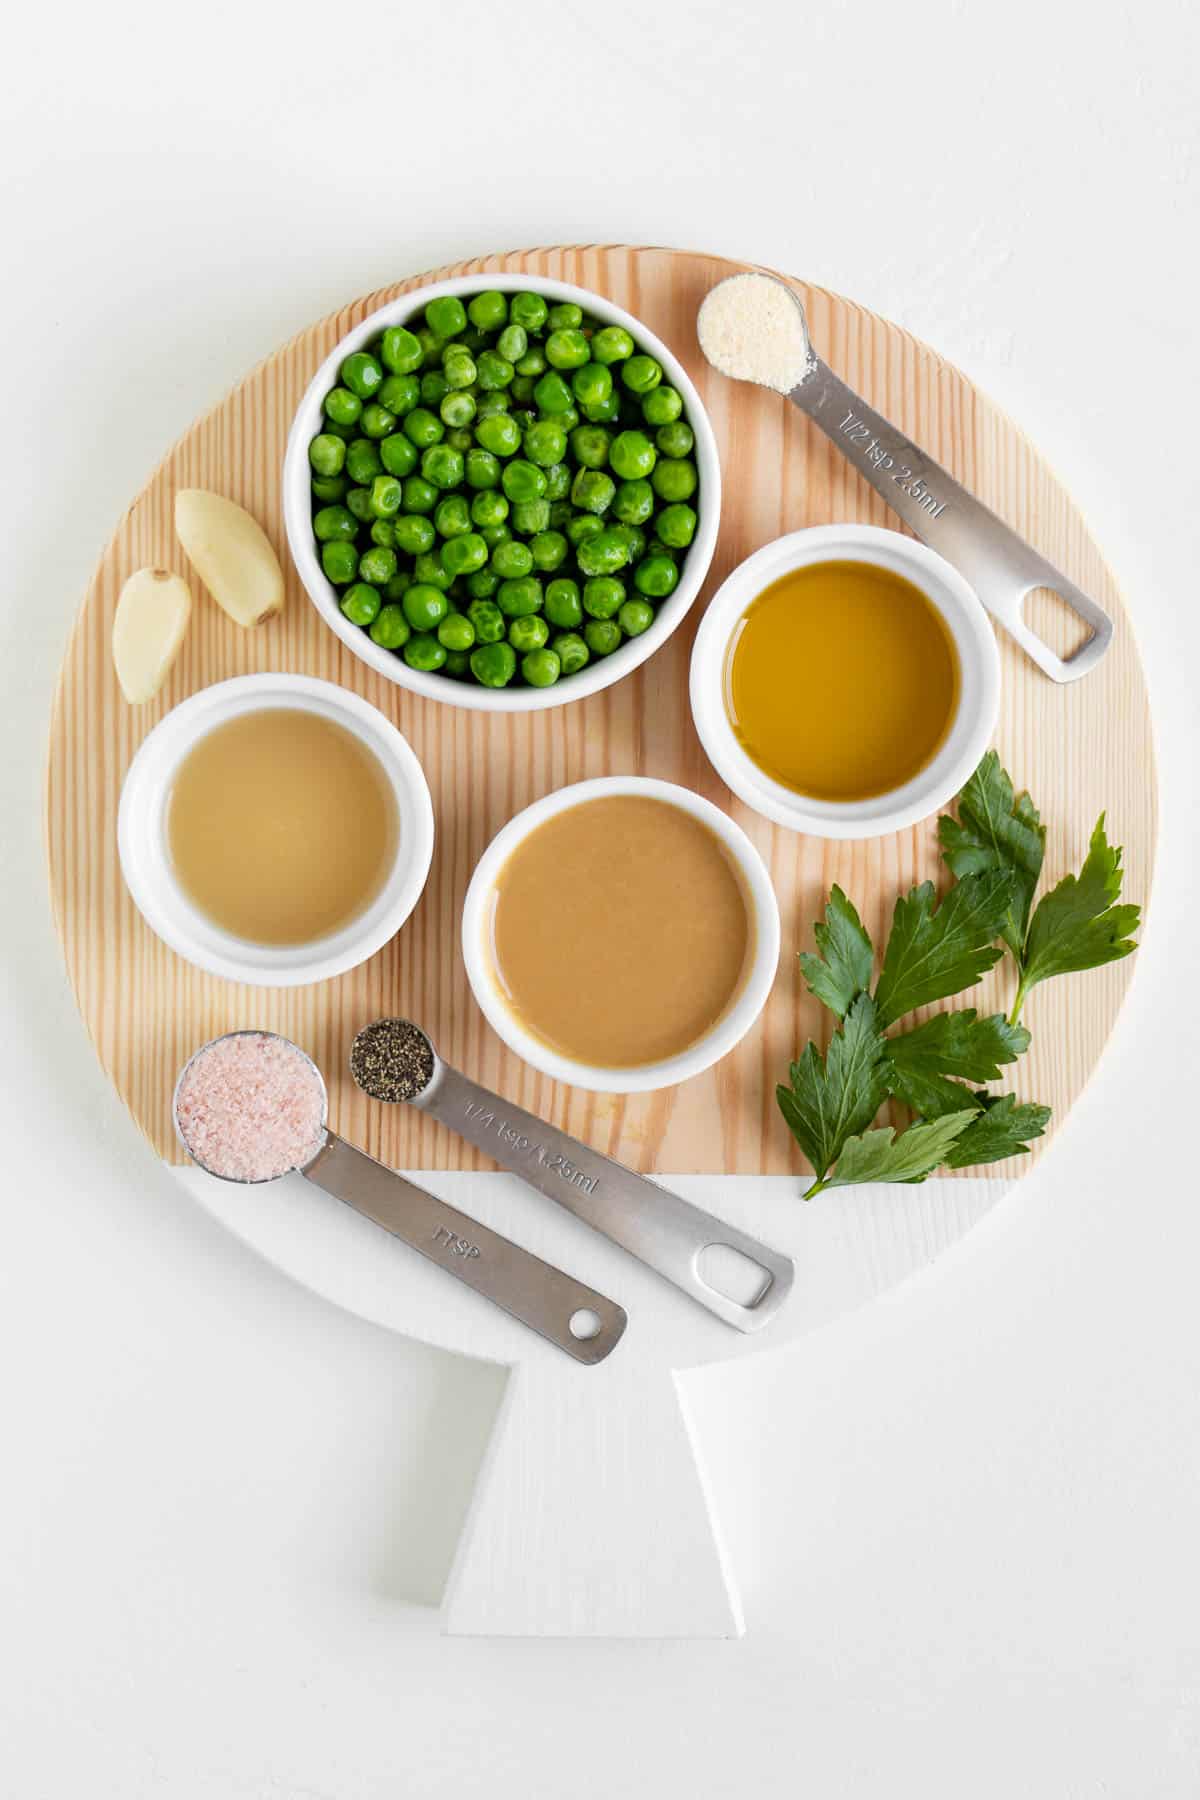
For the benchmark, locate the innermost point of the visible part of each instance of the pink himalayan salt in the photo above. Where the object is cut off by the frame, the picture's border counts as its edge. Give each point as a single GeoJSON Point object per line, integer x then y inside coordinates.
{"type": "Point", "coordinates": [251, 1107]}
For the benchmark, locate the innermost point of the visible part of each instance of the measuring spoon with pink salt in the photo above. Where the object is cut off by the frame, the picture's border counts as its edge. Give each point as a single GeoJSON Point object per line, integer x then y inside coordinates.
{"type": "Point", "coordinates": [251, 1106]}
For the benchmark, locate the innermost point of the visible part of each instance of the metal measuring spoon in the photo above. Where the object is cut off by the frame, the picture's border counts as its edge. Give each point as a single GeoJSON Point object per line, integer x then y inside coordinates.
{"type": "Point", "coordinates": [394, 1060]}
{"type": "Point", "coordinates": [1001, 567]}
{"type": "Point", "coordinates": [569, 1314]}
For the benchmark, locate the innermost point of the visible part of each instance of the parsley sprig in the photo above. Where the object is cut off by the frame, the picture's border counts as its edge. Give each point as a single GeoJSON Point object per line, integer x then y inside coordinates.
{"type": "Point", "coordinates": [994, 849]}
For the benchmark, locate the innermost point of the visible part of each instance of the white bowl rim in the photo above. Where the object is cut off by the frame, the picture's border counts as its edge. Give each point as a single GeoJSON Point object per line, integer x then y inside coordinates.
{"type": "Point", "coordinates": [145, 862]}
{"type": "Point", "coordinates": [728, 1030]}
{"type": "Point", "coordinates": [979, 697]}
{"type": "Point", "coordinates": [596, 676]}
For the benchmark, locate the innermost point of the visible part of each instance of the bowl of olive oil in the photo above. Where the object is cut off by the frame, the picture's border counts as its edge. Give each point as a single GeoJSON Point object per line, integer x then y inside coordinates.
{"type": "Point", "coordinates": [845, 681]}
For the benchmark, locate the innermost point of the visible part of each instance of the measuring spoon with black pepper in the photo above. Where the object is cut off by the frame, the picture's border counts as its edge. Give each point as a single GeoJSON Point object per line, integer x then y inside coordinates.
{"type": "Point", "coordinates": [732, 1274]}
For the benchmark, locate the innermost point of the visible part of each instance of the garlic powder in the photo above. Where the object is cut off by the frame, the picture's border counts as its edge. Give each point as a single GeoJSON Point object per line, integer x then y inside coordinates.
{"type": "Point", "coordinates": [752, 328]}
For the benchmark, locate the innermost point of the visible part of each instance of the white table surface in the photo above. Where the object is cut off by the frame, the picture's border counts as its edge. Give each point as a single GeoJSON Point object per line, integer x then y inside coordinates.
{"type": "Point", "coordinates": [965, 1519]}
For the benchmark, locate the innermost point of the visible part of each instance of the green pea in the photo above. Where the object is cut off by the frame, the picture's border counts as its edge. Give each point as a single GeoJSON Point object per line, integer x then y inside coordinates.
{"type": "Point", "coordinates": [434, 388]}
{"type": "Point", "coordinates": [564, 316]}
{"type": "Point", "coordinates": [590, 446]}
{"type": "Point", "coordinates": [571, 651]}
{"type": "Point", "coordinates": [428, 571]}
{"type": "Point", "coordinates": [457, 663]}
{"type": "Point", "coordinates": [676, 525]}
{"type": "Point", "coordinates": [541, 668]}
{"type": "Point", "coordinates": [398, 454]}
{"type": "Point", "coordinates": [583, 525]}
{"type": "Point", "coordinates": [359, 502]}
{"type": "Point", "coordinates": [398, 586]}
{"type": "Point", "coordinates": [423, 427]}
{"type": "Point", "coordinates": [493, 371]}
{"type": "Point", "coordinates": [552, 393]}
{"type": "Point", "coordinates": [531, 516]}
{"type": "Point", "coordinates": [561, 513]}
{"type": "Point", "coordinates": [641, 373]}
{"type": "Point", "coordinates": [488, 311]}
{"type": "Point", "coordinates": [463, 555]}
{"type": "Point", "coordinates": [603, 596]}
{"type": "Point", "coordinates": [442, 466]}
{"type": "Point", "coordinates": [500, 434]}
{"type": "Point", "coordinates": [604, 552]}
{"type": "Point", "coordinates": [633, 502]}
{"type": "Point", "coordinates": [459, 368]}
{"type": "Point", "coordinates": [329, 488]}
{"type": "Point", "coordinates": [488, 621]}
{"type": "Point", "coordinates": [419, 495]}
{"type": "Point", "coordinates": [528, 310]}
{"type": "Point", "coordinates": [632, 456]}
{"type": "Point", "coordinates": [602, 636]}
{"type": "Point", "coordinates": [430, 342]}
{"type": "Point", "coordinates": [523, 480]}
{"type": "Point", "coordinates": [634, 617]}
{"type": "Point", "coordinates": [341, 406]}
{"type": "Point", "coordinates": [391, 630]}
{"type": "Point", "coordinates": [377, 565]}
{"type": "Point", "coordinates": [363, 461]}
{"type": "Point", "coordinates": [516, 598]}
{"type": "Point", "coordinates": [567, 349]}
{"type": "Point", "coordinates": [400, 351]}
{"type": "Point", "coordinates": [482, 469]}
{"type": "Point", "coordinates": [489, 508]}
{"type": "Point", "coordinates": [399, 393]}
{"type": "Point", "coordinates": [656, 575]}
{"type": "Point", "coordinates": [457, 409]}
{"type": "Point", "coordinates": [345, 432]}
{"type": "Point", "coordinates": [383, 533]}
{"type": "Point", "coordinates": [512, 559]}
{"type": "Point", "coordinates": [376, 421]}
{"type": "Point", "coordinates": [674, 478]}
{"type": "Point", "coordinates": [423, 651]}
{"type": "Point", "coordinates": [634, 539]}
{"type": "Point", "coordinates": [546, 443]}
{"type": "Point", "coordinates": [494, 665]}
{"type": "Point", "coordinates": [360, 603]}
{"type": "Point", "coordinates": [529, 632]}
{"type": "Point", "coordinates": [593, 490]}
{"type": "Point", "coordinates": [532, 363]}
{"type": "Point", "coordinates": [603, 412]}
{"type": "Point", "coordinates": [675, 440]}
{"type": "Point", "coordinates": [612, 345]}
{"type": "Point", "coordinates": [549, 550]}
{"type": "Point", "coordinates": [425, 606]}
{"type": "Point", "coordinates": [522, 389]}
{"type": "Point", "coordinates": [452, 516]}
{"type": "Point", "coordinates": [592, 384]}
{"type": "Point", "coordinates": [495, 534]}
{"type": "Point", "coordinates": [327, 454]}
{"type": "Point", "coordinates": [456, 632]}
{"type": "Point", "coordinates": [446, 316]}
{"type": "Point", "coordinates": [564, 606]}
{"type": "Point", "coordinates": [558, 481]}
{"type": "Point", "coordinates": [414, 533]}
{"type": "Point", "coordinates": [482, 584]}
{"type": "Point", "coordinates": [361, 374]}
{"type": "Point", "coordinates": [339, 561]}
{"type": "Point", "coordinates": [386, 496]}
{"type": "Point", "coordinates": [513, 342]}
{"type": "Point", "coordinates": [569, 419]}
{"type": "Point", "coordinates": [662, 406]}
{"type": "Point", "coordinates": [334, 522]}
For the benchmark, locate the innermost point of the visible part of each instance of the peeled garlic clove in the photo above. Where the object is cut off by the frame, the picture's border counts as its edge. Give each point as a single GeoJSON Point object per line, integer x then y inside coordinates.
{"type": "Point", "coordinates": [231, 553]}
{"type": "Point", "coordinates": [148, 628]}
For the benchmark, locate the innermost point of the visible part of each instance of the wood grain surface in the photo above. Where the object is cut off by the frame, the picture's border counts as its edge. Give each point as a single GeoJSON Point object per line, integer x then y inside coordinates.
{"type": "Point", "coordinates": [1079, 749]}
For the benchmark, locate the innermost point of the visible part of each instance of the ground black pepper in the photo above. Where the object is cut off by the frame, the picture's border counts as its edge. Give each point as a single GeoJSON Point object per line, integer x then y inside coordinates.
{"type": "Point", "coordinates": [392, 1060]}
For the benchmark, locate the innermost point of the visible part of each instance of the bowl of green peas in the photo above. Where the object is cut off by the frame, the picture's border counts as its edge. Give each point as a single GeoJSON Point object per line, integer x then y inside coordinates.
{"type": "Point", "coordinates": [502, 492]}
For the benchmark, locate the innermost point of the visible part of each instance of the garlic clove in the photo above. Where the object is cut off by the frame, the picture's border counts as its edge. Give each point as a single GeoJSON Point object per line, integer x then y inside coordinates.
{"type": "Point", "coordinates": [232, 555]}
{"type": "Point", "coordinates": [149, 626]}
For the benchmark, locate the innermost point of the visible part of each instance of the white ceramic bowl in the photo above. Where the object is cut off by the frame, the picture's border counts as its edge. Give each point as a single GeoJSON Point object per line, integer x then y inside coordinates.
{"type": "Point", "coordinates": [729, 1029]}
{"type": "Point", "coordinates": [146, 862]}
{"type": "Point", "coordinates": [297, 506]}
{"type": "Point", "coordinates": [979, 695]}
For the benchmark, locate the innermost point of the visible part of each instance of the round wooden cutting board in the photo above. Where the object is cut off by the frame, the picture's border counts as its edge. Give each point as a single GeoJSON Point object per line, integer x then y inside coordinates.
{"type": "Point", "coordinates": [1079, 749]}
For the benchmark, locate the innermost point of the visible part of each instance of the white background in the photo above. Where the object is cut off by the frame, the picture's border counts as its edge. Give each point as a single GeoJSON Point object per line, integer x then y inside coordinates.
{"type": "Point", "coordinates": [966, 1519]}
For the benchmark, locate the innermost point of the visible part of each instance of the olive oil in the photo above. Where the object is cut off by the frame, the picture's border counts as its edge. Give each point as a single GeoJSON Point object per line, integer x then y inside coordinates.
{"type": "Point", "coordinates": [282, 826]}
{"type": "Point", "coordinates": [842, 681]}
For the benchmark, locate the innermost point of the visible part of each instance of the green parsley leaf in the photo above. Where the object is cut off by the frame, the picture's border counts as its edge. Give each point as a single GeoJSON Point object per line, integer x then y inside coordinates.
{"type": "Point", "coordinates": [1002, 1129]}
{"type": "Point", "coordinates": [934, 952]}
{"type": "Point", "coordinates": [961, 1044]}
{"type": "Point", "coordinates": [844, 966]}
{"type": "Point", "coordinates": [914, 1154]}
{"type": "Point", "coordinates": [1078, 925]}
{"type": "Point", "coordinates": [995, 830]}
{"type": "Point", "coordinates": [833, 1096]}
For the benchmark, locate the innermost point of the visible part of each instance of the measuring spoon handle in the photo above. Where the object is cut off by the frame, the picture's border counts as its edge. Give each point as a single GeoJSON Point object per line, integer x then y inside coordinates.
{"type": "Point", "coordinates": [533, 1291]}
{"type": "Point", "coordinates": [1001, 567]}
{"type": "Point", "coordinates": [660, 1228]}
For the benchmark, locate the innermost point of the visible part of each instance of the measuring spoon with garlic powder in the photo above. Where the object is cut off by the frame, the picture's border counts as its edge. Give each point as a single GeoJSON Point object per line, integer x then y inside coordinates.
{"type": "Point", "coordinates": [726, 1270]}
{"type": "Point", "coordinates": [752, 327]}
{"type": "Point", "coordinates": [566, 1312]}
